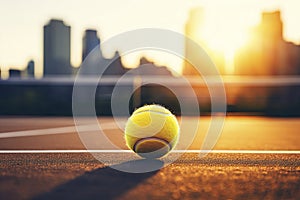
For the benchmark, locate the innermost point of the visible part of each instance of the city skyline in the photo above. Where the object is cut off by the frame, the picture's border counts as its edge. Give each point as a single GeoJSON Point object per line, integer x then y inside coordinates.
{"type": "Point", "coordinates": [266, 52]}
{"type": "Point", "coordinates": [112, 22]}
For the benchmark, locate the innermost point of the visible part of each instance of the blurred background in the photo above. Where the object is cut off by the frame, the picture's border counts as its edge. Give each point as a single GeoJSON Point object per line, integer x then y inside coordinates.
{"type": "Point", "coordinates": [253, 44]}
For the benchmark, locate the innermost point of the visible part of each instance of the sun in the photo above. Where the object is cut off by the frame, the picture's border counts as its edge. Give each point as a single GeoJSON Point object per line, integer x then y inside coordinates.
{"type": "Point", "coordinates": [220, 33]}
{"type": "Point", "coordinates": [226, 40]}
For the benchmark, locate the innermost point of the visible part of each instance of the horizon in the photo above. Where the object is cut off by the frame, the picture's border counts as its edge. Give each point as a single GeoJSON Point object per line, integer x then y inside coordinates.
{"type": "Point", "coordinates": [113, 20]}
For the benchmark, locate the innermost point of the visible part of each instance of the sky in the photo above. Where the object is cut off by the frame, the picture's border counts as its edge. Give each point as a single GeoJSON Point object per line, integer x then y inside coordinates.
{"type": "Point", "coordinates": [22, 21]}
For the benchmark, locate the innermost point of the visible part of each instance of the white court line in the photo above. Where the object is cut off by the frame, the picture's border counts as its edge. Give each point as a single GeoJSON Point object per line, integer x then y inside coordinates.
{"type": "Point", "coordinates": [60, 130]}
{"type": "Point", "coordinates": [110, 125]}
{"type": "Point", "coordinates": [174, 151]}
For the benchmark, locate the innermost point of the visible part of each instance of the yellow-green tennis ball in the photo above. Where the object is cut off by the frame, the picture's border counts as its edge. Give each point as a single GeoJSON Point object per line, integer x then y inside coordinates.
{"type": "Point", "coordinates": [152, 131]}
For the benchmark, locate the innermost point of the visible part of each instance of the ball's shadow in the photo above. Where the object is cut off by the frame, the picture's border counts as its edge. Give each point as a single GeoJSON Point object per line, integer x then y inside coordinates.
{"type": "Point", "coordinates": [104, 183]}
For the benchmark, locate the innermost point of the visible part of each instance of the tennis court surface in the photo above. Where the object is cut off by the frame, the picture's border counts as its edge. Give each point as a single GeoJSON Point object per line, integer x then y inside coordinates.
{"type": "Point", "coordinates": [254, 158]}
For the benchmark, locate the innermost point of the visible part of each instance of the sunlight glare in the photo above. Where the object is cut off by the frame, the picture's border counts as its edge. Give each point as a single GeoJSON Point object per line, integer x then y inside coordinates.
{"type": "Point", "coordinates": [222, 31]}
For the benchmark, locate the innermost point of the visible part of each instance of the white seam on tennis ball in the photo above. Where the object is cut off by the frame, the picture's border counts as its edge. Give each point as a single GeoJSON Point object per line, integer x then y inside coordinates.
{"type": "Point", "coordinates": [149, 138]}
{"type": "Point", "coordinates": [154, 111]}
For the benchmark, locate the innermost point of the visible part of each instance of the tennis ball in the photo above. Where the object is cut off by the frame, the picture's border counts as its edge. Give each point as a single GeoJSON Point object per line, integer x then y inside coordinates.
{"type": "Point", "coordinates": [152, 131]}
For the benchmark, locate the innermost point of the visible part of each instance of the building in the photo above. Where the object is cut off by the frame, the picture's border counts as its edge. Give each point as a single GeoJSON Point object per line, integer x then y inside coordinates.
{"type": "Point", "coordinates": [15, 73]}
{"type": "Point", "coordinates": [194, 30]}
{"type": "Point", "coordinates": [267, 53]}
{"type": "Point", "coordinates": [114, 65]}
{"type": "Point", "coordinates": [90, 41]}
{"type": "Point", "coordinates": [148, 68]}
{"type": "Point", "coordinates": [30, 69]}
{"type": "Point", "coordinates": [57, 48]}
{"type": "Point", "coordinates": [96, 62]}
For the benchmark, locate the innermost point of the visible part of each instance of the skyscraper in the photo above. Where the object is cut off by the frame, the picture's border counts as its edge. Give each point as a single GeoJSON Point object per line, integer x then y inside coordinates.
{"type": "Point", "coordinates": [57, 50]}
{"type": "Point", "coordinates": [96, 62]}
{"type": "Point", "coordinates": [271, 26]}
{"type": "Point", "coordinates": [267, 53]}
{"type": "Point", "coordinates": [194, 31]}
{"type": "Point", "coordinates": [90, 41]}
